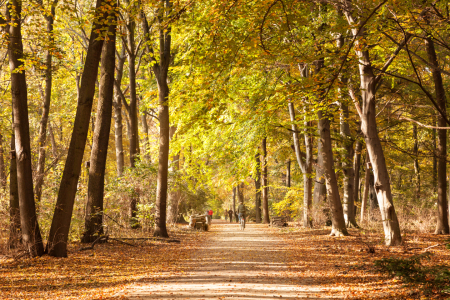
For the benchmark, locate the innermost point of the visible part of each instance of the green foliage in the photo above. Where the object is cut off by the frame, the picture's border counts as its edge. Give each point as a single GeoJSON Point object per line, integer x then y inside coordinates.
{"type": "Point", "coordinates": [291, 204]}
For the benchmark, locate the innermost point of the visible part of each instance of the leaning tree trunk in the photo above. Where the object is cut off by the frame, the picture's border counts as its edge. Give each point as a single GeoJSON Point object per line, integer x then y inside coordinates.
{"type": "Point", "coordinates": [31, 234]}
{"type": "Point", "coordinates": [264, 182]}
{"type": "Point", "coordinates": [46, 107]}
{"type": "Point", "coordinates": [337, 213]}
{"type": "Point", "coordinates": [258, 189]}
{"type": "Point", "coordinates": [14, 210]}
{"type": "Point", "coordinates": [442, 226]}
{"type": "Point", "coordinates": [367, 113]}
{"type": "Point", "coordinates": [347, 167]}
{"type": "Point", "coordinates": [59, 231]}
{"type": "Point", "coordinates": [94, 208]}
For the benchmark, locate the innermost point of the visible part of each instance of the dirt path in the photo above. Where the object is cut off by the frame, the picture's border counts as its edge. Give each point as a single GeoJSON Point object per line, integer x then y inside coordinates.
{"type": "Point", "coordinates": [233, 264]}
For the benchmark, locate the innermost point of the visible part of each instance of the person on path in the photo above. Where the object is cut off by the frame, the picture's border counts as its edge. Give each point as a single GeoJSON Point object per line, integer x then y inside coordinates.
{"type": "Point", "coordinates": [241, 212]}
{"type": "Point", "coordinates": [230, 214]}
{"type": "Point", "coordinates": [210, 212]}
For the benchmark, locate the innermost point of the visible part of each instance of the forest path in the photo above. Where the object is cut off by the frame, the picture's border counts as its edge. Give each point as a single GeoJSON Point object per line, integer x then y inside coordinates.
{"type": "Point", "coordinates": [234, 264]}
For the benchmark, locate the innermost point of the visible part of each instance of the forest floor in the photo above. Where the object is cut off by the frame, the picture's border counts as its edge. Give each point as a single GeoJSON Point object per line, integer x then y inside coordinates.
{"type": "Point", "coordinates": [224, 263]}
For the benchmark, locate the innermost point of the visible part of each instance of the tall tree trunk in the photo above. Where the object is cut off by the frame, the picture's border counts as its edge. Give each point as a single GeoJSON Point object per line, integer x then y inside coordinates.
{"type": "Point", "coordinates": [288, 173]}
{"type": "Point", "coordinates": [356, 170]}
{"type": "Point", "coordinates": [31, 234]}
{"type": "Point", "coordinates": [347, 167]}
{"type": "Point", "coordinates": [160, 69]}
{"type": "Point", "coordinates": [14, 209]}
{"type": "Point", "coordinates": [337, 214]}
{"type": "Point", "coordinates": [241, 192]}
{"type": "Point", "coordinates": [366, 189]}
{"type": "Point", "coordinates": [2, 165]}
{"type": "Point", "coordinates": [46, 107]}
{"type": "Point", "coordinates": [305, 166]}
{"type": "Point", "coordinates": [53, 142]}
{"type": "Point", "coordinates": [416, 161]}
{"type": "Point", "coordinates": [264, 182]}
{"type": "Point", "coordinates": [320, 188]}
{"type": "Point", "coordinates": [234, 203]}
{"type": "Point", "coordinates": [258, 189]}
{"type": "Point", "coordinates": [434, 157]}
{"type": "Point", "coordinates": [368, 83]}
{"type": "Point", "coordinates": [442, 226]}
{"type": "Point", "coordinates": [147, 156]}
{"type": "Point", "coordinates": [59, 231]}
{"type": "Point", "coordinates": [94, 209]}
{"type": "Point", "coordinates": [174, 193]}
{"type": "Point", "coordinates": [118, 125]}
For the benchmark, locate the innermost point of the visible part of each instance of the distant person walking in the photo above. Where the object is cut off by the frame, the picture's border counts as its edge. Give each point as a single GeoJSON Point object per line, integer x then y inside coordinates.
{"type": "Point", "coordinates": [230, 214]}
{"type": "Point", "coordinates": [210, 213]}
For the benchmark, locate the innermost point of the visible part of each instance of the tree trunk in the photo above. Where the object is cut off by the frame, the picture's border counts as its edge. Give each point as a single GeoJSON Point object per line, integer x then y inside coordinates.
{"type": "Point", "coordinates": [31, 235]}
{"type": "Point", "coordinates": [434, 157]}
{"type": "Point", "coordinates": [2, 165]}
{"type": "Point", "coordinates": [288, 173]}
{"type": "Point", "coordinates": [337, 214]}
{"type": "Point", "coordinates": [368, 83]}
{"type": "Point", "coordinates": [174, 193]}
{"type": "Point", "coordinates": [258, 189]}
{"type": "Point", "coordinates": [94, 208]}
{"type": "Point", "coordinates": [416, 161]}
{"type": "Point", "coordinates": [442, 226]}
{"type": "Point", "coordinates": [356, 170]}
{"type": "Point", "coordinates": [52, 140]}
{"type": "Point", "coordinates": [320, 188]}
{"type": "Point", "coordinates": [366, 189]}
{"type": "Point", "coordinates": [264, 182]}
{"type": "Point", "coordinates": [46, 107]}
{"type": "Point", "coordinates": [234, 203]}
{"type": "Point", "coordinates": [59, 231]}
{"type": "Point", "coordinates": [241, 192]}
{"type": "Point", "coordinates": [14, 209]}
{"type": "Point", "coordinates": [118, 125]}
{"type": "Point", "coordinates": [349, 173]}
{"type": "Point", "coordinates": [146, 138]}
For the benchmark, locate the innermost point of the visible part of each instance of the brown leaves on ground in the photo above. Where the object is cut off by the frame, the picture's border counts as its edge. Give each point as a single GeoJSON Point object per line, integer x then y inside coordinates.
{"type": "Point", "coordinates": [344, 265]}
{"type": "Point", "coordinates": [94, 274]}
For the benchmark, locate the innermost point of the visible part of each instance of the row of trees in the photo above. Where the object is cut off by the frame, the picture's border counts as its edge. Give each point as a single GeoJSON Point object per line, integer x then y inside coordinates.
{"type": "Point", "coordinates": [251, 84]}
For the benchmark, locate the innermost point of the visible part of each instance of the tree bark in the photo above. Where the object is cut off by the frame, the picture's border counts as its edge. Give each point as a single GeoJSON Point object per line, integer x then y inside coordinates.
{"type": "Point", "coordinates": [416, 161]}
{"type": "Point", "coordinates": [368, 83]}
{"type": "Point", "coordinates": [94, 208]}
{"type": "Point", "coordinates": [240, 188]}
{"type": "Point", "coordinates": [288, 173]}
{"type": "Point", "coordinates": [46, 107]}
{"type": "Point", "coordinates": [147, 156]}
{"type": "Point", "coordinates": [356, 170]}
{"type": "Point", "coordinates": [31, 235]}
{"type": "Point", "coordinates": [337, 214]}
{"type": "Point", "coordinates": [347, 167]}
{"type": "Point", "coordinates": [59, 231]}
{"type": "Point", "coordinates": [118, 125]}
{"type": "Point", "coordinates": [2, 165]}
{"type": "Point", "coordinates": [366, 189]}
{"type": "Point", "coordinates": [320, 188]}
{"type": "Point", "coordinates": [234, 203]}
{"type": "Point", "coordinates": [14, 208]}
{"type": "Point", "coordinates": [258, 189]}
{"type": "Point", "coordinates": [174, 193]}
{"type": "Point", "coordinates": [442, 226]}
{"type": "Point", "coordinates": [264, 182]}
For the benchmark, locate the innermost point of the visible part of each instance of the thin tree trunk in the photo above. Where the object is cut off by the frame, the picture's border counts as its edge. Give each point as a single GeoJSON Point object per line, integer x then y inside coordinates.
{"type": "Point", "coordinates": [94, 208]}
{"type": "Point", "coordinates": [52, 140]}
{"type": "Point", "coordinates": [234, 204]}
{"type": "Point", "coordinates": [349, 173]}
{"type": "Point", "coordinates": [337, 213]}
{"type": "Point", "coordinates": [416, 161]}
{"type": "Point", "coordinates": [366, 189]}
{"type": "Point", "coordinates": [14, 209]}
{"type": "Point", "coordinates": [174, 193]}
{"type": "Point", "coordinates": [264, 182]}
{"type": "Point", "coordinates": [160, 69]}
{"type": "Point", "coordinates": [288, 173]}
{"type": "Point", "coordinates": [442, 226]}
{"type": "Point", "coordinates": [241, 192]}
{"type": "Point", "coordinates": [59, 231]}
{"type": "Point", "coordinates": [320, 188]}
{"type": "Point", "coordinates": [46, 107]}
{"type": "Point", "coordinates": [368, 83]}
{"type": "Point", "coordinates": [146, 138]}
{"type": "Point", "coordinates": [258, 189]}
{"type": "Point", "coordinates": [356, 171]}
{"type": "Point", "coordinates": [434, 157]}
{"type": "Point", "coordinates": [2, 165]}
{"type": "Point", "coordinates": [31, 234]}
{"type": "Point", "coordinates": [118, 125]}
